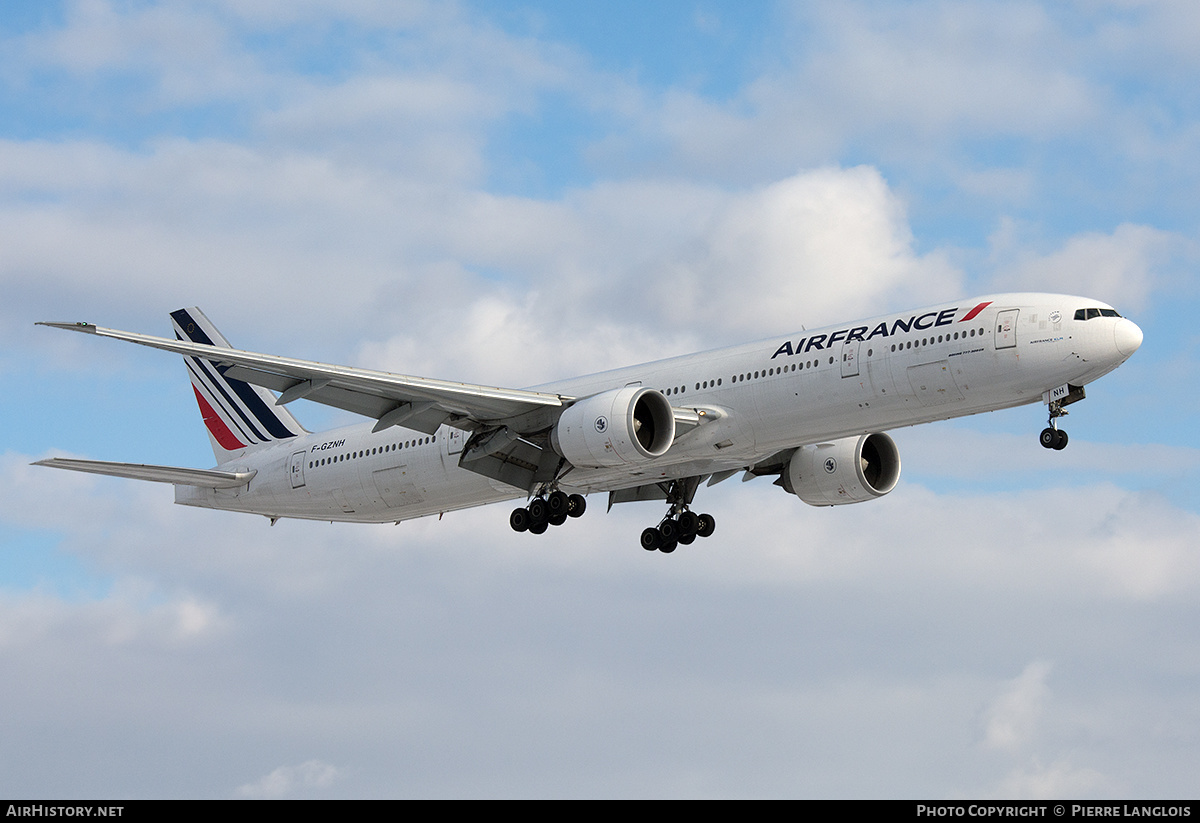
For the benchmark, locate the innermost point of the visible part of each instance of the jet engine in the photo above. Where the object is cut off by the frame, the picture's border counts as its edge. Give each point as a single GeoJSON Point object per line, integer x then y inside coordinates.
{"type": "Point", "coordinates": [850, 470]}
{"type": "Point", "coordinates": [615, 428]}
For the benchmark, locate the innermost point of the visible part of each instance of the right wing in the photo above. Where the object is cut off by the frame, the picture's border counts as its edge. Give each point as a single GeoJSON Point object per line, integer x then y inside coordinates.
{"type": "Point", "coordinates": [204, 478]}
{"type": "Point", "coordinates": [392, 399]}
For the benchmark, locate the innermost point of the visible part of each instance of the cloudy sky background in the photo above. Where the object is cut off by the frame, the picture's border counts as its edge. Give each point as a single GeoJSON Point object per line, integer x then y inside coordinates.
{"type": "Point", "coordinates": [513, 193]}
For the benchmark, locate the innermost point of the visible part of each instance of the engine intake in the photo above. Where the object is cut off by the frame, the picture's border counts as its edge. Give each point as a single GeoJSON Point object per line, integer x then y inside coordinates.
{"type": "Point", "coordinates": [850, 470]}
{"type": "Point", "coordinates": [615, 428]}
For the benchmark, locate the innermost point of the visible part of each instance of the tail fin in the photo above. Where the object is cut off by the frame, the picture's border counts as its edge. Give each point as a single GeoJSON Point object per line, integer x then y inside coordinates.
{"type": "Point", "coordinates": [239, 417]}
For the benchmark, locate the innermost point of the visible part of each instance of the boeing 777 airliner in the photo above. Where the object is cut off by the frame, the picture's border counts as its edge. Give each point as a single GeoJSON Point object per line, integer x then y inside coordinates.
{"type": "Point", "coordinates": [810, 408]}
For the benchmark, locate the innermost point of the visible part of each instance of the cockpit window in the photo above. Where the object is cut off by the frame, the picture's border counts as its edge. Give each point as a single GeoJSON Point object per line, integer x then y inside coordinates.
{"type": "Point", "coordinates": [1088, 314]}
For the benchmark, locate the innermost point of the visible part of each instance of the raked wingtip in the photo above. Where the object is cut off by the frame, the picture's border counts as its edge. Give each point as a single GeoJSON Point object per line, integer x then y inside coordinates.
{"type": "Point", "coordinates": [89, 328]}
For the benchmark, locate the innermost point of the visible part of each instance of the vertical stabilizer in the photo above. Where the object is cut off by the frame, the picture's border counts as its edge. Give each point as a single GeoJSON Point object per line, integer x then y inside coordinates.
{"type": "Point", "coordinates": [239, 417]}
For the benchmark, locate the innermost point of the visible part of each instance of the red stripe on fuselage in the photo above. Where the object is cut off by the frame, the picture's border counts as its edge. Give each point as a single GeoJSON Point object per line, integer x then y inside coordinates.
{"type": "Point", "coordinates": [971, 314]}
{"type": "Point", "coordinates": [216, 425]}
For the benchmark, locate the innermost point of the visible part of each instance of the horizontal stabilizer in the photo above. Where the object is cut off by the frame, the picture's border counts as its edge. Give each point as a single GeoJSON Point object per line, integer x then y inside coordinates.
{"type": "Point", "coordinates": [204, 478]}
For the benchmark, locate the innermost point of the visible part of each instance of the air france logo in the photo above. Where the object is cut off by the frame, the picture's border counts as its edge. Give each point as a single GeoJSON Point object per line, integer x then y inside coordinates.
{"type": "Point", "coordinates": [830, 465]}
{"type": "Point", "coordinates": [602, 424]}
{"type": "Point", "coordinates": [922, 322]}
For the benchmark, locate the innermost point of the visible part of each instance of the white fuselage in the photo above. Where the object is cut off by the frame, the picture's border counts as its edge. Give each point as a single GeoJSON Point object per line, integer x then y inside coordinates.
{"type": "Point", "coordinates": [757, 400]}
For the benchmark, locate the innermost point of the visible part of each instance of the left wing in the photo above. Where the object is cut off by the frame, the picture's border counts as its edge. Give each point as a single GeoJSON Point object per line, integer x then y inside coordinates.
{"type": "Point", "coordinates": [392, 399]}
{"type": "Point", "coordinates": [205, 478]}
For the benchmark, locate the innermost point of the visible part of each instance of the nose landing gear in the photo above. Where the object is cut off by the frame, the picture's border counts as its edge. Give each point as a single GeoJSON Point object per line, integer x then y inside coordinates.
{"type": "Point", "coordinates": [1052, 437]}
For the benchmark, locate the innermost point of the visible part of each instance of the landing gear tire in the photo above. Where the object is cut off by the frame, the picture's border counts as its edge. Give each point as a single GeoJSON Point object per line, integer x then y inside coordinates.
{"type": "Point", "coordinates": [558, 503]}
{"type": "Point", "coordinates": [689, 524]}
{"type": "Point", "coordinates": [578, 505]}
{"type": "Point", "coordinates": [519, 520]}
{"type": "Point", "coordinates": [651, 539]}
{"type": "Point", "coordinates": [667, 548]}
{"type": "Point", "coordinates": [538, 511]}
{"type": "Point", "coordinates": [706, 526]}
{"type": "Point", "coordinates": [538, 528]}
{"type": "Point", "coordinates": [1053, 439]}
{"type": "Point", "coordinates": [669, 530]}
{"type": "Point", "coordinates": [557, 519]}
{"type": "Point", "coordinates": [687, 539]}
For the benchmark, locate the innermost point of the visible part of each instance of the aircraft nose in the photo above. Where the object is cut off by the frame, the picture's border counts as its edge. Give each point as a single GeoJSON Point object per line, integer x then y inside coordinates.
{"type": "Point", "coordinates": [1127, 336]}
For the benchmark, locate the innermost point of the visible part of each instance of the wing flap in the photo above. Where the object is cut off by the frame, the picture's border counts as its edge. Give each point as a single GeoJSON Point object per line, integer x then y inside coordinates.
{"type": "Point", "coordinates": [329, 394]}
{"type": "Point", "coordinates": [204, 478]}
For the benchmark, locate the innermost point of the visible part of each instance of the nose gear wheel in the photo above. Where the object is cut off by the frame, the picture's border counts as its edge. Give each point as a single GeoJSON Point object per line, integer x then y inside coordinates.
{"type": "Point", "coordinates": [1052, 437]}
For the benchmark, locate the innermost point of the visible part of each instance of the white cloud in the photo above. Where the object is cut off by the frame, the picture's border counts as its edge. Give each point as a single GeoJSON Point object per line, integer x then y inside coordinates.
{"type": "Point", "coordinates": [186, 54]}
{"type": "Point", "coordinates": [1012, 721]}
{"type": "Point", "coordinates": [291, 781]}
{"type": "Point", "coordinates": [937, 67]}
{"type": "Point", "coordinates": [1021, 721]}
{"type": "Point", "coordinates": [1148, 31]}
{"type": "Point", "coordinates": [905, 82]}
{"type": "Point", "coordinates": [621, 273]}
{"type": "Point", "coordinates": [1058, 780]}
{"type": "Point", "coordinates": [1122, 268]}
{"type": "Point", "coordinates": [817, 247]}
{"type": "Point", "coordinates": [134, 617]}
{"type": "Point", "coordinates": [604, 266]}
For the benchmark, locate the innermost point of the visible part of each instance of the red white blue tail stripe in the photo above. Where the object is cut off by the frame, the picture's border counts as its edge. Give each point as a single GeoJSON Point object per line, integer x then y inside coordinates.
{"type": "Point", "coordinates": [238, 416]}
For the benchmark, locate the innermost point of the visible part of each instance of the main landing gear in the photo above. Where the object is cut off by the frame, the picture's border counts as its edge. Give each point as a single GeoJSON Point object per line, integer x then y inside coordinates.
{"type": "Point", "coordinates": [683, 528]}
{"type": "Point", "coordinates": [545, 511]}
{"type": "Point", "coordinates": [681, 525]}
{"type": "Point", "coordinates": [1052, 437]}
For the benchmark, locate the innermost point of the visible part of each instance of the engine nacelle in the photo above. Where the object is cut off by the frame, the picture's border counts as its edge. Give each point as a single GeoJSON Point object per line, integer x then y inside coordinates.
{"type": "Point", "coordinates": [850, 470]}
{"type": "Point", "coordinates": [615, 428]}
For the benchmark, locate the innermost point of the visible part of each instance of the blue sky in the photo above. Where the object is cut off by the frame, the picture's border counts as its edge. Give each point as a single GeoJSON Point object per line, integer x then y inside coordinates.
{"type": "Point", "coordinates": [518, 193]}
